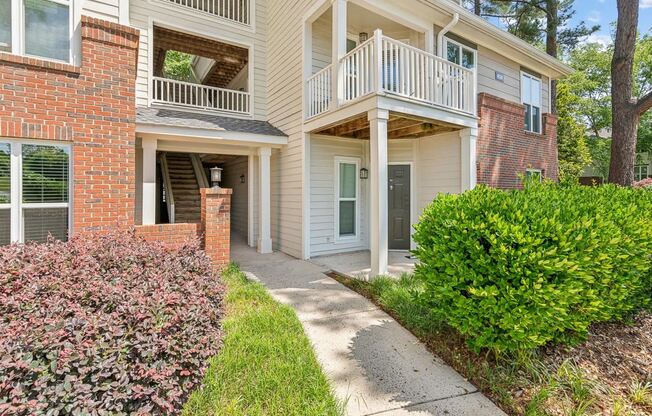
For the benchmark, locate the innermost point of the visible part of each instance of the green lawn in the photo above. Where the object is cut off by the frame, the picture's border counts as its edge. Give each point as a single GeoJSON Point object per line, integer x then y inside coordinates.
{"type": "Point", "coordinates": [267, 365]}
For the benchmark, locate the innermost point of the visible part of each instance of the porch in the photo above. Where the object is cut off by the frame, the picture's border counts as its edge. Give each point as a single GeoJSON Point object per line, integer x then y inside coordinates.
{"type": "Point", "coordinates": [357, 264]}
{"type": "Point", "coordinates": [372, 52]}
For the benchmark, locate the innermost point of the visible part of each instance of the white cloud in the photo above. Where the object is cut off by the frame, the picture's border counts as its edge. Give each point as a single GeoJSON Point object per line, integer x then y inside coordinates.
{"type": "Point", "coordinates": [646, 4]}
{"type": "Point", "coordinates": [594, 16]}
{"type": "Point", "coordinates": [604, 40]}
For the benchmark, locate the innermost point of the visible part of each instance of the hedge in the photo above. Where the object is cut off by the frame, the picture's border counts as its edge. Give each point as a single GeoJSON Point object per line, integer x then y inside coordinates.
{"type": "Point", "coordinates": [514, 270]}
{"type": "Point", "coordinates": [104, 325]}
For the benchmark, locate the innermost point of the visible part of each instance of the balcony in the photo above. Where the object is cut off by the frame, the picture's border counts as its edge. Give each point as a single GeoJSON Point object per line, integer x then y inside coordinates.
{"type": "Point", "coordinates": [383, 65]}
{"type": "Point", "coordinates": [236, 11]}
{"type": "Point", "coordinates": [201, 97]}
{"type": "Point", "coordinates": [200, 74]}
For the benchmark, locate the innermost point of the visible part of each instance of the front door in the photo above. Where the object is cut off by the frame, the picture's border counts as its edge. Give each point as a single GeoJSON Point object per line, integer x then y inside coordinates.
{"type": "Point", "coordinates": [399, 207]}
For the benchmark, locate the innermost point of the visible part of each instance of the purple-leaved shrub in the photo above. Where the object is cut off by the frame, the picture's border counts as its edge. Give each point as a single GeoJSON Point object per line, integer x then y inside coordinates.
{"type": "Point", "coordinates": [105, 324]}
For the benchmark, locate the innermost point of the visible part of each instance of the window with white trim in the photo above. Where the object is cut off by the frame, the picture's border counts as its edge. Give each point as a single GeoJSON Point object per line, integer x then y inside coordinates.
{"type": "Point", "coordinates": [39, 28]}
{"type": "Point", "coordinates": [346, 192]}
{"type": "Point", "coordinates": [533, 174]}
{"type": "Point", "coordinates": [531, 99]}
{"type": "Point", "coordinates": [34, 191]}
{"type": "Point", "coordinates": [641, 172]}
{"type": "Point", "coordinates": [460, 54]}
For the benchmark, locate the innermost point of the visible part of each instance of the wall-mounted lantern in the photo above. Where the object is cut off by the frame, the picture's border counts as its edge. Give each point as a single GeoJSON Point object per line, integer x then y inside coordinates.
{"type": "Point", "coordinates": [364, 173]}
{"type": "Point", "coordinates": [216, 176]}
{"type": "Point", "coordinates": [363, 37]}
{"type": "Point", "coordinates": [242, 178]}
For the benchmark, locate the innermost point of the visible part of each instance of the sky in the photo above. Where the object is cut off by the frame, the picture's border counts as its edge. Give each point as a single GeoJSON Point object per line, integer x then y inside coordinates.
{"type": "Point", "coordinates": [603, 13]}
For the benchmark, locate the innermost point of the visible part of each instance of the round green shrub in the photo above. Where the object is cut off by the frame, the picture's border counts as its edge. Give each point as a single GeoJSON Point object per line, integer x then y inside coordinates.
{"type": "Point", "coordinates": [514, 270]}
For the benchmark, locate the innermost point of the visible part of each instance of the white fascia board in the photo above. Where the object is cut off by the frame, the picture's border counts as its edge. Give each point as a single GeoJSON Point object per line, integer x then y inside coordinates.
{"type": "Point", "coordinates": [211, 134]}
{"type": "Point", "coordinates": [557, 68]}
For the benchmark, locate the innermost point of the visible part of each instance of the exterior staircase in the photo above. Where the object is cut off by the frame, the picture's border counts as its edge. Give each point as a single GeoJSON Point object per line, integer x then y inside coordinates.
{"type": "Point", "coordinates": [184, 184]}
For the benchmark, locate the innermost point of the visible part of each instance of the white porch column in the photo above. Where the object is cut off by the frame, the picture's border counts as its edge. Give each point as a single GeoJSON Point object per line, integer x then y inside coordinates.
{"type": "Point", "coordinates": [378, 181]}
{"type": "Point", "coordinates": [468, 138]}
{"type": "Point", "coordinates": [338, 38]}
{"type": "Point", "coordinates": [264, 203]}
{"type": "Point", "coordinates": [430, 41]}
{"type": "Point", "coordinates": [149, 181]}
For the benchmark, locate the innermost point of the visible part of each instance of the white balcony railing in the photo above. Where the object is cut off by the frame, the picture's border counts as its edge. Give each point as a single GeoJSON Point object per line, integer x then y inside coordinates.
{"type": "Point", "coordinates": [238, 11]}
{"type": "Point", "coordinates": [319, 91]}
{"type": "Point", "coordinates": [204, 97]}
{"type": "Point", "coordinates": [385, 65]}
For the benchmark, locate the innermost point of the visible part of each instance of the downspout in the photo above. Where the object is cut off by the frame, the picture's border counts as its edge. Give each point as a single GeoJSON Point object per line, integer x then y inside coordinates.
{"type": "Point", "coordinates": [440, 35]}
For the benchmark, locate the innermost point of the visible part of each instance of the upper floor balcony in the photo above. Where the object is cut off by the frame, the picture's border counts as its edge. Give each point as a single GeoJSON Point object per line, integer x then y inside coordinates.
{"type": "Point", "coordinates": [357, 54]}
{"type": "Point", "coordinates": [234, 11]}
{"type": "Point", "coordinates": [200, 74]}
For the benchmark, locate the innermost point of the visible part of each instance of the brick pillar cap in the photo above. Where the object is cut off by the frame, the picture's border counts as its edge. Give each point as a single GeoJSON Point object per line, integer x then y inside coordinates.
{"type": "Point", "coordinates": [216, 191]}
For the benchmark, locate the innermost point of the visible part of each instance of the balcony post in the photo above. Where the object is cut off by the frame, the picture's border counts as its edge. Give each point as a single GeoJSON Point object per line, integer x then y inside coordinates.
{"type": "Point", "coordinates": [379, 243]}
{"type": "Point", "coordinates": [378, 58]}
{"type": "Point", "coordinates": [338, 48]}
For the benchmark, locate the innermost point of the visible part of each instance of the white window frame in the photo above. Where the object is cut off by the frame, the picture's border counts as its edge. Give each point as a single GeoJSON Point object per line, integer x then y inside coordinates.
{"type": "Point", "coordinates": [532, 77]}
{"type": "Point", "coordinates": [537, 171]}
{"type": "Point", "coordinates": [350, 161]}
{"type": "Point", "coordinates": [18, 30]}
{"type": "Point", "coordinates": [462, 47]}
{"type": "Point", "coordinates": [17, 205]}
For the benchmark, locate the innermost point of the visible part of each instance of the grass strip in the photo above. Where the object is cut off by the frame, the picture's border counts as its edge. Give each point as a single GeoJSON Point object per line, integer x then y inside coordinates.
{"type": "Point", "coordinates": [267, 365]}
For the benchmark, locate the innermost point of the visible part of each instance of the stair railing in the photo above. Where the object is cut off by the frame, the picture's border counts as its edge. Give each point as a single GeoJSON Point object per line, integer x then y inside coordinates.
{"type": "Point", "coordinates": [167, 184]}
{"type": "Point", "coordinates": [200, 173]}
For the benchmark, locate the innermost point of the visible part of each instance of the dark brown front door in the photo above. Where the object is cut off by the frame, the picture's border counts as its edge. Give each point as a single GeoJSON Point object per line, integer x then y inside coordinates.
{"type": "Point", "coordinates": [399, 207]}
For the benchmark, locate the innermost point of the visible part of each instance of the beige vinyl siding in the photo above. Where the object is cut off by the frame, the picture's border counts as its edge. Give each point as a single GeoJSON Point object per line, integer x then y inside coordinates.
{"type": "Point", "coordinates": [285, 89]}
{"type": "Point", "coordinates": [489, 62]}
{"type": "Point", "coordinates": [179, 18]}
{"type": "Point", "coordinates": [321, 42]}
{"type": "Point", "coordinates": [233, 169]}
{"type": "Point", "coordinates": [102, 9]}
{"type": "Point", "coordinates": [323, 152]}
{"type": "Point", "coordinates": [438, 167]}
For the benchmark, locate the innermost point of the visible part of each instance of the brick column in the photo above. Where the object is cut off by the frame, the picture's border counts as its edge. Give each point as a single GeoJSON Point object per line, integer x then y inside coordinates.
{"type": "Point", "coordinates": [216, 224]}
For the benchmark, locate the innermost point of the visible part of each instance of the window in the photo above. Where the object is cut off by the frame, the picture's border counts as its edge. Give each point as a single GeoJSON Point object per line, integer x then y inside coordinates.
{"type": "Point", "coordinates": [41, 28]}
{"type": "Point", "coordinates": [34, 192]}
{"type": "Point", "coordinates": [534, 174]}
{"type": "Point", "coordinates": [460, 54]}
{"type": "Point", "coordinates": [641, 172]}
{"type": "Point", "coordinates": [531, 98]}
{"type": "Point", "coordinates": [346, 210]}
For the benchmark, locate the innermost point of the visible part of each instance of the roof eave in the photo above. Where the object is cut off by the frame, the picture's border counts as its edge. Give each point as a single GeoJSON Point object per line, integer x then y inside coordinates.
{"type": "Point", "coordinates": [558, 68]}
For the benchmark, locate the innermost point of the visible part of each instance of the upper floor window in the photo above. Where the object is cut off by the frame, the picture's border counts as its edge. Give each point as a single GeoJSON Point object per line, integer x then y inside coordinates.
{"type": "Point", "coordinates": [39, 28]}
{"type": "Point", "coordinates": [531, 98]}
{"type": "Point", "coordinates": [460, 54]}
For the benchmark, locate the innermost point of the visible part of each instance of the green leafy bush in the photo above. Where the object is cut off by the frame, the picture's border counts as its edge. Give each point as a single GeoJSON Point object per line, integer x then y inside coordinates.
{"type": "Point", "coordinates": [514, 270]}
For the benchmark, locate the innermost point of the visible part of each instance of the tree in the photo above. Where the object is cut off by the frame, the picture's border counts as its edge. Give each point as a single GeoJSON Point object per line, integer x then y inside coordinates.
{"type": "Point", "coordinates": [544, 23]}
{"type": "Point", "coordinates": [178, 66]}
{"type": "Point", "coordinates": [625, 108]}
{"type": "Point", "coordinates": [573, 151]}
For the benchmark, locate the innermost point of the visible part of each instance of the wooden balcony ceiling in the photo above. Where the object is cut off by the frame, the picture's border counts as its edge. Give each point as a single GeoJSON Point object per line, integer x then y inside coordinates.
{"type": "Point", "coordinates": [229, 59]}
{"type": "Point", "coordinates": [399, 126]}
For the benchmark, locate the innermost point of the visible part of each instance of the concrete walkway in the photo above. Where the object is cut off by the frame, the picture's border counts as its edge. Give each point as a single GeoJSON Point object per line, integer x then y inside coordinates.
{"type": "Point", "coordinates": [375, 365]}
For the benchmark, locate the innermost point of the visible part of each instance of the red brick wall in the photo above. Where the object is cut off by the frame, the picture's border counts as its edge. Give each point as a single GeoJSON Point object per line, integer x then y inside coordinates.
{"type": "Point", "coordinates": [93, 107]}
{"type": "Point", "coordinates": [172, 235]}
{"type": "Point", "coordinates": [505, 150]}
{"type": "Point", "coordinates": [216, 224]}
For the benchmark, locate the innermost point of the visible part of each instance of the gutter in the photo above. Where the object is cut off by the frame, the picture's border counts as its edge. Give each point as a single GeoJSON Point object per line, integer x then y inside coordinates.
{"type": "Point", "coordinates": [446, 29]}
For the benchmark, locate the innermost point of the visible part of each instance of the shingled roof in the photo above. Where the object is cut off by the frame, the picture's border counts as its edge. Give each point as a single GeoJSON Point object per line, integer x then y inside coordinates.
{"type": "Point", "coordinates": [176, 118]}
